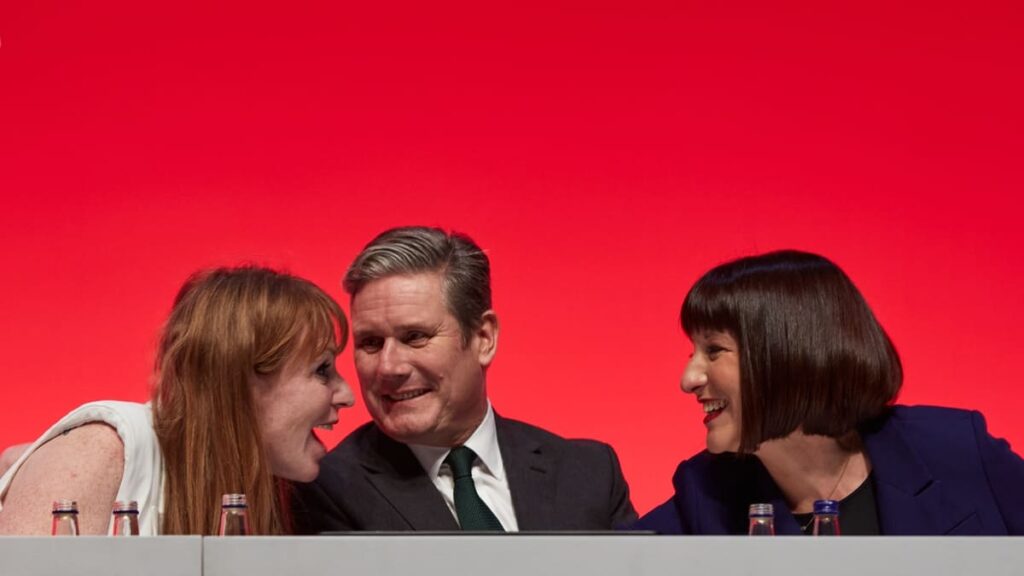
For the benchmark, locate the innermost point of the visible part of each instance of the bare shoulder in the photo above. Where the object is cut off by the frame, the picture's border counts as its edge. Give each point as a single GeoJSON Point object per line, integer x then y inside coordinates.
{"type": "Point", "coordinates": [83, 464]}
{"type": "Point", "coordinates": [10, 455]}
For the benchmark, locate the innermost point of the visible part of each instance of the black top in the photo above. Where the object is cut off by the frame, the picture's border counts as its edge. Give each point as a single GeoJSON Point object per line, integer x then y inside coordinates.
{"type": "Point", "coordinates": [858, 514]}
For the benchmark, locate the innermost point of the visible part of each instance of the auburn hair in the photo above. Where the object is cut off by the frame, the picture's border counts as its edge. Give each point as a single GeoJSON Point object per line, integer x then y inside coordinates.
{"type": "Point", "coordinates": [228, 325]}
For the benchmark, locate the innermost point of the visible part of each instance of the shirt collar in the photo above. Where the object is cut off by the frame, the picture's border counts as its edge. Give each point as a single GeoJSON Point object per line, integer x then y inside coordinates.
{"type": "Point", "coordinates": [483, 441]}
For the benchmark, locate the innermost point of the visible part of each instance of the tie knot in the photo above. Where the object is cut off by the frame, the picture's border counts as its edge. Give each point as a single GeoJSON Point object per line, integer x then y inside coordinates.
{"type": "Point", "coordinates": [460, 459]}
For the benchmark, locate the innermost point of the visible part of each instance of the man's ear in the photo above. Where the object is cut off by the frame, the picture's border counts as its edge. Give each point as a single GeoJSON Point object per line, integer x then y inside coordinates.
{"type": "Point", "coordinates": [486, 338]}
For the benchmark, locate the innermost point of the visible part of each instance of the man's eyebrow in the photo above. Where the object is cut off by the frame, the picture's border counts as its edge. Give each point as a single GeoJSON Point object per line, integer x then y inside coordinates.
{"type": "Point", "coordinates": [406, 327]}
{"type": "Point", "coordinates": [418, 326]}
{"type": "Point", "coordinates": [361, 332]}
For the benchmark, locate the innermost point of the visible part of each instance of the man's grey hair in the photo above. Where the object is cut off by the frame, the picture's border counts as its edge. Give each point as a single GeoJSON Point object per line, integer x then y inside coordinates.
{"type": "Point", "coordinates": [464, 268]}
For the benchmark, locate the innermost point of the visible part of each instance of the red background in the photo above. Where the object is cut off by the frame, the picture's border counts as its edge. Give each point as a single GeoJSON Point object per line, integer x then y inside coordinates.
{"type": "Point", "coordinates": [605, 154]}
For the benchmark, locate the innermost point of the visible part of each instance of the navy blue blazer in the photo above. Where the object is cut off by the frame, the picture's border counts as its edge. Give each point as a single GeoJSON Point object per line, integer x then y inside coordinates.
{"type": "Point", "coordinates": [936, 471]}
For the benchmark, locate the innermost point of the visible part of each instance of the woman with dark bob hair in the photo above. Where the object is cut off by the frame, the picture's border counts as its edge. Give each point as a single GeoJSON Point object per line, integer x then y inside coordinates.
{"type": "Point", "coordinates": [796, 380]}
{"type": "Point", "coordinates": [244, 374]}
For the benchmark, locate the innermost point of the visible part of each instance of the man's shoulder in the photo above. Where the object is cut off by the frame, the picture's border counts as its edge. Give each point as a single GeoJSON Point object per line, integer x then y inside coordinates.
{"type": "Point", "coordinates": [355, 444]}
{"type": "Point", "coordinates": [584, 452]}
{"type": "Point", "coordinates": [519, 431]}
{"type": "Point", "coordinates": [363, 434]}
{"type": "Point", "coordinates": [368, 446]}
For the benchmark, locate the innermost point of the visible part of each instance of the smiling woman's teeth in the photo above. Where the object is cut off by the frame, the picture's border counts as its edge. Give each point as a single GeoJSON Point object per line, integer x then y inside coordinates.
{"type": "Point", "coordinates": [714, 405]}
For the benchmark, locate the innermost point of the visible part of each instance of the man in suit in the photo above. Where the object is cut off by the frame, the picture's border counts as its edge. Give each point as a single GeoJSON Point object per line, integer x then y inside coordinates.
{"type": "Point", "coordinates": [437, 456]}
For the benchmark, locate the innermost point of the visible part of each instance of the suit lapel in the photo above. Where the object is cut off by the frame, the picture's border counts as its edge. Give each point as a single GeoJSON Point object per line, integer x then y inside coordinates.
{"type": "Point", "coordinates": [910, 500]}
{"type": "Point", "coordinates": [531, 477]}
{"type": "Point", "coordinates": [397, 475]}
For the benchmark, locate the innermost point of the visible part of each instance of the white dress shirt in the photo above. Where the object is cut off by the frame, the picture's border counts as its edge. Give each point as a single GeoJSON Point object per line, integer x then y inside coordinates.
{"type": "Point", "coordinates": [488, 472]}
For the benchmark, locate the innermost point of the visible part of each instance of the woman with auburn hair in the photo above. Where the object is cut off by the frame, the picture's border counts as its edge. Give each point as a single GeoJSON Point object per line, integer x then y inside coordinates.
{"type": "Point", "coordinates": [244, 374]}
{"type": "Point", "coordinates": [796, 381]}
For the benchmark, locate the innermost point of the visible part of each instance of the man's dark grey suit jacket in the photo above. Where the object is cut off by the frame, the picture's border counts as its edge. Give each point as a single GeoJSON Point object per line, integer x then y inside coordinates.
{"type": "Point", "coordinates": [371, 482]}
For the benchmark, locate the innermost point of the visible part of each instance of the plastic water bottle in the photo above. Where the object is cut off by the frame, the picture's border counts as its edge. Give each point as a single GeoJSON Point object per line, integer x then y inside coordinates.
{"type": "Point", "coordinates": [125, 518]}
{"type": "Point", "coordinates": [762, 520]}
{"type": "Point", "coordinates": [65, 518]}
{"type": "Point", "coordinates": [234, 515]}
{"type": "Point", "coordinates": [826, 518]}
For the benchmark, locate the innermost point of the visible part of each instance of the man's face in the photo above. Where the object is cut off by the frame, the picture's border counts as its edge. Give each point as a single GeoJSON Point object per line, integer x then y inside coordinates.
{"type": "Point", "coordinates": [421, 383]}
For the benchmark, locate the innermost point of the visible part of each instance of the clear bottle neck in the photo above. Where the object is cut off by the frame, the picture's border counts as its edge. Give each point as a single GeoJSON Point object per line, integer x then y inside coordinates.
{"type": "Point", "coordinates": [826, 525]}
{"type": "Point", "coordinates": [65, 518]}
{"type": "Point", "coordinates": [125, 523]}
{"type": "Point", "coordinates": [762, 519]}
{"type": "Point", "coordinates": [64, 524]}
{"type": "Point", "coordinates": [125, 518]}
{"type": "Point", "coordinates": [234, 522]}
{"type": "Point", "coordinates": [761, 526]}
{"type": "Point", "coordinates": [234, 515]}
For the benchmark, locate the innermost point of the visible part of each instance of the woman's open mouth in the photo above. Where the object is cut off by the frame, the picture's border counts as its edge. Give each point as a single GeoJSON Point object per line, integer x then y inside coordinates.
{"type": "Point", "coordinates": [713, 409]}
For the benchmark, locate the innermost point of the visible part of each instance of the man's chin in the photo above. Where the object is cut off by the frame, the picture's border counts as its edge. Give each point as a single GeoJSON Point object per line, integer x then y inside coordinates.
{"type": "Point", "coordinates": [404, 432]}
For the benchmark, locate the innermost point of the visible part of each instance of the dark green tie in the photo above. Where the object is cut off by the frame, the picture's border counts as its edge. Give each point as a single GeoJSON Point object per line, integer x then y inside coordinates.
{"type": "Point", "coordinates": [473, 513]}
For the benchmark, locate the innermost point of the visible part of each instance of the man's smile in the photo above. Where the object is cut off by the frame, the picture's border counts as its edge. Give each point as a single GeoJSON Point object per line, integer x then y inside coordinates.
{"type": "Point", "coordinates": [403, 396]}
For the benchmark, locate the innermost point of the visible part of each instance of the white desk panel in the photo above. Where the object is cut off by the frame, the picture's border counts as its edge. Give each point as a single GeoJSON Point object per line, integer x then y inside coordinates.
{"type": "Point", "coordinates": [101, 556]}
{"type": "Point", "coordinates": [610, 556]}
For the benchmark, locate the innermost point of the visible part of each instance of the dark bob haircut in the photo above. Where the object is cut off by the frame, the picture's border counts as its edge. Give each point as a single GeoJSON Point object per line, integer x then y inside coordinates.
{"type": "Point", "coordinates": [812, 355]}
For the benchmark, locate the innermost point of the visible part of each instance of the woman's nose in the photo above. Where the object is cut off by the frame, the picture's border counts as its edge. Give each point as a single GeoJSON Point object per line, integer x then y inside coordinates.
{"type": "Point", "coordinates": [343, 396]}
{"type": "Point", "coordinates": [694, 376]}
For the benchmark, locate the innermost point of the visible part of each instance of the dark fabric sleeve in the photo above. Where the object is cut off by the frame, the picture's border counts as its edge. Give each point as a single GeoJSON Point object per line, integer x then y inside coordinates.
{"type": "Point", "coordinates": [623, 513]}
{"type": "Point", "coordinates": [313, 511]}
{"type": "Point", "coordinates": [1005, 472]}
{"type": "Point", "coordinates": [664, 519]}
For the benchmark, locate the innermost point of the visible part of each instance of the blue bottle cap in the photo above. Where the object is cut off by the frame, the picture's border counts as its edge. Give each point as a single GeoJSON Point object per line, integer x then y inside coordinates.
{"type": "Point", "coordinates": [826, 507]}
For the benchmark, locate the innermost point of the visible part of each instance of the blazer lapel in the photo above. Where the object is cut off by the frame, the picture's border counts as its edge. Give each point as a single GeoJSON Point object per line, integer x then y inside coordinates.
{"type": "Point", "coordinates": [910, 500]}
{"type": "Point", "coordinates": [397, 475]}
{"type": "Point", "coordinates": [768, 491]}
{"type": "Point", "coordinates": [531, 477]}
{"type": "Point", "coordinates": [728, 485]}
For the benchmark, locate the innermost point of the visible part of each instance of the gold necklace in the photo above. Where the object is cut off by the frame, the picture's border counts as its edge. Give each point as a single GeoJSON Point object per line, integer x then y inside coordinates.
{"type": "Point", "coordinates": [832, 493]}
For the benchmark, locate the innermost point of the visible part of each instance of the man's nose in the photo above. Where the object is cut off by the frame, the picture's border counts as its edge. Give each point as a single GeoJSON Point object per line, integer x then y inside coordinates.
{"type": "Point", "coordinates": [392, 360]}
{"type": "Point", "coordinates": [695, 376]}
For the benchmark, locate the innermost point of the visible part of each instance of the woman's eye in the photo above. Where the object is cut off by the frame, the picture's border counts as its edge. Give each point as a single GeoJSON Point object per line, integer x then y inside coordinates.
{"type": "Point", "coordinates": [324, 370]}
{"type": "Point", "coordinates": [714, 351]}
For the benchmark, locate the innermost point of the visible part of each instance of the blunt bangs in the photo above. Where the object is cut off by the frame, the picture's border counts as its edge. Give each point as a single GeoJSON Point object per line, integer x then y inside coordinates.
{"type": "Point", "coordinates": [713, 304]}
{"type": "Point", "coordinates": [297, 319]}
{"type": "Point", "coordinates": [325, 325]}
